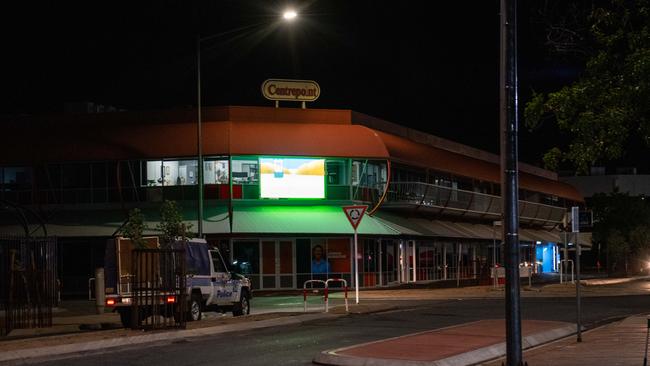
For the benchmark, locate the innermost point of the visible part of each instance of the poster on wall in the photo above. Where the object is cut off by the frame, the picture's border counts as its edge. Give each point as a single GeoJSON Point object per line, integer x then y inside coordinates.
{"type": "Point", "coordinates": [319, 262]}
{"type": "Point", "coordinates": [292, 178]}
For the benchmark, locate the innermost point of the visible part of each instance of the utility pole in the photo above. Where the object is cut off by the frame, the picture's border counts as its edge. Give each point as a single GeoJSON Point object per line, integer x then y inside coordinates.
{"type": "Point", "coordinates": [509, 122]}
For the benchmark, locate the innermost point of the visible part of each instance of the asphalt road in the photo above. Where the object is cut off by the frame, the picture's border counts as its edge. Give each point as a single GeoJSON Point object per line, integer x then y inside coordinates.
{"type": "Point", "coordinates": [297, 344]}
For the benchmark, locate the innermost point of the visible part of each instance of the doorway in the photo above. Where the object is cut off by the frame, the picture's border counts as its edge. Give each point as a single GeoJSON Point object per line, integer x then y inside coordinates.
{"type": "Point", "coordinates": [278, 264]}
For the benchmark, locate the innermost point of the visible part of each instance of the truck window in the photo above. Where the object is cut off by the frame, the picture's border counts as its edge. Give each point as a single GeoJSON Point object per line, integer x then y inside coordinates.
{"type": "Point", "coordinates": [217, 262]}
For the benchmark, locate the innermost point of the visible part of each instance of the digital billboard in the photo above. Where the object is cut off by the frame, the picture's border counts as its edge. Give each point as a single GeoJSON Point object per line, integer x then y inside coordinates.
{"type": "Point", "coordinates": [292, 178]}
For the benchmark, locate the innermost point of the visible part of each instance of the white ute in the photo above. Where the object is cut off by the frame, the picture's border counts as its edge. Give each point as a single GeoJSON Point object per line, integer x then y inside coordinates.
{"type": "Point", "coordinates": [210, 285]}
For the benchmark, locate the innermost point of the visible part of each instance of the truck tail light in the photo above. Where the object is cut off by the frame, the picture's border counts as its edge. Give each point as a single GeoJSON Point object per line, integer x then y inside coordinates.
{"type": "Point", "coordinates": [110, 302]}
{"type": "Point", "coordinates": [171, 299]}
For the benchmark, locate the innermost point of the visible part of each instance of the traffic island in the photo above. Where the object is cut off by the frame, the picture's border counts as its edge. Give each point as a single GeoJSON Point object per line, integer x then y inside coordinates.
{"type": "Point", "coordinates": [465, 344]}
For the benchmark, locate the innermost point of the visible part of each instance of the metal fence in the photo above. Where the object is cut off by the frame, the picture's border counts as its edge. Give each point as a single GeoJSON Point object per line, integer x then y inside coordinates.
{"type": "Point", "coordinates": [159, 290]}
{"type": "Point", "coordinates": [27, 282]}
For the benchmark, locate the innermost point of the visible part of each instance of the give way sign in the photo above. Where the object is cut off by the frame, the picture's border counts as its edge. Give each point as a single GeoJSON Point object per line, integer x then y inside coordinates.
{"type": "Point", "coordinates": [354, 214]}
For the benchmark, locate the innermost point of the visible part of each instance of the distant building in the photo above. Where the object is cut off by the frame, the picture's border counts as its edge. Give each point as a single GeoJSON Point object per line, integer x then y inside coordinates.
{"type": "Point", "coordinates": [602, 180]}
{"type": "Point", "coordinates": [274, 184]}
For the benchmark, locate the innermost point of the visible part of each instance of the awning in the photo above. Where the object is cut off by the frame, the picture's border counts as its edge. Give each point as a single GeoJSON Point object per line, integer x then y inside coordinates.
{"type": "Point", "coordinates": [417, 226]}
{"type": "Point", "coordinates": [89, 223]}
{"type": "Point", "coordinates": [327, 220]}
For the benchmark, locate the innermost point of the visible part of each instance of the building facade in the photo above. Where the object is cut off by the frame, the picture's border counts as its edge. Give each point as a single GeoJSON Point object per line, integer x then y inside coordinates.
{"type": "Point", "coordinates": [275, 180]}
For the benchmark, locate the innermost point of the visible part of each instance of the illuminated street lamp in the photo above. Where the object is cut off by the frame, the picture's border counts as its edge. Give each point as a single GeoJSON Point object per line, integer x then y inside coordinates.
{"type": "Point", "coordinates": [288, 16]}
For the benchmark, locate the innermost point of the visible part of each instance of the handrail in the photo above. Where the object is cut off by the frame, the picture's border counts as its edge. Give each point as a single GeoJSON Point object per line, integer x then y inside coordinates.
{"type": "Point", "coordinates": [462, 202]}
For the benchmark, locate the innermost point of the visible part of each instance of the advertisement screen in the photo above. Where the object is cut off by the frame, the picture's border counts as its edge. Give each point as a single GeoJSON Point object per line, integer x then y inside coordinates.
{"type": "Point", "coordinates": [292, 178]}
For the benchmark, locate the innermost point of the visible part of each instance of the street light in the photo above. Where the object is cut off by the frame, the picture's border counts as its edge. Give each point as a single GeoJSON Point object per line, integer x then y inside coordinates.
{"type": "Point", "coordinates": [288, 16]}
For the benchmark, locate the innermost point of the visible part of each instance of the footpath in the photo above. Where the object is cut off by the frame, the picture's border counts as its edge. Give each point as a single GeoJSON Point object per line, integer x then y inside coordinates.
{"type": "Point", "coordinates": [483, 342]}
{"type": "Point", "coordinates": [78, 331]}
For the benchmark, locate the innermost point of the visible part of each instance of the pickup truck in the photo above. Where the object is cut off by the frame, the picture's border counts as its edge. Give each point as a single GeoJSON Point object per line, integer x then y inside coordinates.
{"type": "Point", "coordinates": [209, 283]}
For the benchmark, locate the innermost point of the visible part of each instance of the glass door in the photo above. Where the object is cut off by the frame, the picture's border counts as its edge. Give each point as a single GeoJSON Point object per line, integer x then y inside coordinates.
{"type": "Point", "coordinates": [278, 269]}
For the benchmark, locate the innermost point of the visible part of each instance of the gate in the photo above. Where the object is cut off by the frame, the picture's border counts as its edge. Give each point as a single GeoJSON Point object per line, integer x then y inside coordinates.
{"type": "Point", "coordinates": [158, 285]}
{"type": "Point", "coordinates": [27, 282]}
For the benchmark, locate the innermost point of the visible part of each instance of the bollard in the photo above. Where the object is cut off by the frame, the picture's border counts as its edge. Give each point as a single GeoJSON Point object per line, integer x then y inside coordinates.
{"type": "Point", "coordinates": [304, 298]}
{"type": "Point", "coordinates": [100, 295]}
{"type": "Point", "coordinates": [326, 299]}
{"type": "Point", "coordinates": [647, 334]}
{"type": "Point", "coordinates": [347, 310]}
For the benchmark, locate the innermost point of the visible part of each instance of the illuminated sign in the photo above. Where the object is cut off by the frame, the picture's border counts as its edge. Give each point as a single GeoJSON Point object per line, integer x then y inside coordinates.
{"type": "Point", "coordinates": [291, 90]}
{"type": "Point", "coordinates": [292, 178]}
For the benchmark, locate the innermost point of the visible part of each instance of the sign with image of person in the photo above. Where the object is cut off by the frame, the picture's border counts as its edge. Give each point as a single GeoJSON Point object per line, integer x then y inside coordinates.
{"type": "Point", "coordinates": [319, 262]}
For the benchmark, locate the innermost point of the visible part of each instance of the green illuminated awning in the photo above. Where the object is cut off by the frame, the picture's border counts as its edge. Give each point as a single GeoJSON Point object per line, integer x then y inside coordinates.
{"type": "Point", "coordinates": [301, 220]}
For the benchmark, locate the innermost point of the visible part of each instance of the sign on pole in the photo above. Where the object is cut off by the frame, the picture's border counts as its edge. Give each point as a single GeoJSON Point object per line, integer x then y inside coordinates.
{"type": "Point", "coordinates": [575, 219]}
{"type": "Point", "coordinates": [354, 214]}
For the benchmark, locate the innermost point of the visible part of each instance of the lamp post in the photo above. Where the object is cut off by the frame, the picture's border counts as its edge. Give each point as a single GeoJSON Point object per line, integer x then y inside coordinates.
{"type": "Point", "coordinates": [289, 15]}
{"type": "Point", "coordinates": [509, 121]}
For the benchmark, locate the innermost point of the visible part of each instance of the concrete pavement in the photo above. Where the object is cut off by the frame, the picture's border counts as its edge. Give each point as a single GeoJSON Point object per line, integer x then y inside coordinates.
{"type": "Point", "coordinates": [620, 343]}
{"type": "Point", "coordinates": [465, 344]}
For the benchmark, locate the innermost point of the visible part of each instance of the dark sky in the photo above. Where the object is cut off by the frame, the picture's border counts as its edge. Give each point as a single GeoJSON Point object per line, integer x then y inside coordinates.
{"type": "Point", "coordinates": [430, 65]}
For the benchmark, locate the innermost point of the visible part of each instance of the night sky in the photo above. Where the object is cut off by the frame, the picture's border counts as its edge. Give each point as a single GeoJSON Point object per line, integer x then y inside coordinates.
{"type": "Point", "coordinates": [430, 65]}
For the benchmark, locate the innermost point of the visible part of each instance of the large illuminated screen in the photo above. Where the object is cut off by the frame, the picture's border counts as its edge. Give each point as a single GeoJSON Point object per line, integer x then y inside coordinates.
{"type": "Point", "coordinates": [292, 178]}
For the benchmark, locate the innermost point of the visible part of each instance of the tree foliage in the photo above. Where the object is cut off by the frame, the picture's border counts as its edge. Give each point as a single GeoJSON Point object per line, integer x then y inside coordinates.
{"type": "Point", "coordinates": [622, 228]}
{"type": "Point", "coordinates": [609, 105]}
{"type": "Point", "coordinates": [172, 225]}
{"type": "Point", "coordinates": [135, 227]}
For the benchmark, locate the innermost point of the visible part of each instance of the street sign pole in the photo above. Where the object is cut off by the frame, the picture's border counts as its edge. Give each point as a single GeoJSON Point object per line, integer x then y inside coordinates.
{"type": "Point", "coordinates": [354, 214]}
{"type": "Point", "coordinates": [356, 268]}
{"type": "Point", "coordinates": [575, 228]}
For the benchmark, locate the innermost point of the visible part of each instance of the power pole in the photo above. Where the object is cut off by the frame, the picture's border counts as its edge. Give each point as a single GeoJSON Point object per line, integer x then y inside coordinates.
{"type": "Point", "coordinates": [509, 122]}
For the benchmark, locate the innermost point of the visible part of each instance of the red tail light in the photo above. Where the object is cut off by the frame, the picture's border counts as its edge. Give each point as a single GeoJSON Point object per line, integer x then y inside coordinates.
{"type": "Point", "coordinates": [110, 302]}
{"type": "Point", "coordinates": [171, 299]}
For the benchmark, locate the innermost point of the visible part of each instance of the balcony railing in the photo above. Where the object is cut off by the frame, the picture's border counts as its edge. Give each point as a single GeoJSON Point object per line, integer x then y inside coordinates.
{"type": "Point", "coordinates": [456, 202]}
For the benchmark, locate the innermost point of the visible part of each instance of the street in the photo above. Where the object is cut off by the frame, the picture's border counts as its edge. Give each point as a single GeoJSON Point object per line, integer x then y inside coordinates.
{"type": "Point", "coordinates": [297, 344]}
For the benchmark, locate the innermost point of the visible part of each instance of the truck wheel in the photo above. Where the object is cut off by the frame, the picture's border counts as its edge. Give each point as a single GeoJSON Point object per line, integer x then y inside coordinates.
{"type": "Point", "coordinates": [243, 307]}
{"type": "Point", "coordinates": [194, 312]}
{"type": "Point", "coordinates": [125, 317]}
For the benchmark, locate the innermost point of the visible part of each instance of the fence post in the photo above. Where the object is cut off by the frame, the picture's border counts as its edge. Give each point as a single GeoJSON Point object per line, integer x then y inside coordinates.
{"type": "Point", "coordinates": [100, 295]}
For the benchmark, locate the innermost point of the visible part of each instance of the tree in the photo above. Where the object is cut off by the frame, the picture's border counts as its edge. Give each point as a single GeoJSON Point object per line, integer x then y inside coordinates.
{"type": "Point", "coordinates": [135, 227]}
{"type": "Point", "coordinates": [621, 227]}
{"type": "Point", "coordinates": [607, 109]}
{"type": "Point", "coordinates": [172, 225]}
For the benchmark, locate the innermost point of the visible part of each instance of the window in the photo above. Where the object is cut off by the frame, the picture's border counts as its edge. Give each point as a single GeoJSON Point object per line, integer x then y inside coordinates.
{"type": "Point", "coordinates": [217, 262]}
{"type": "Point", "coordinates": [152, 173]}
{"type": "Point", "coordinates": [215, 171]}
{"type": "Point", "coordinates": [336, 171]}
{"type": "Point", "coordinates": [17, 177]}
{"type": "Point", "coordinates": [245, 171]}
{"type": "Point", "coordinates": [170, 173]}
{"type": "Point", "coordinates": [75, 176]}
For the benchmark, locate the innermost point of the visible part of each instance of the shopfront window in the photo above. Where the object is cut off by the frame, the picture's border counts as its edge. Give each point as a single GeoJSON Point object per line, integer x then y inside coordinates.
{"type": "Point", "coordinates": [245, 171]}
{"type": "Point", "coordinates": [336, 172]}
{"type": "Point", "coordinates": [16, 177]}
{"type": "Point", "coordinates": [320, 259]}
{"type": "Point", "coordinates": [170, 173]}
{"type": "Point", "coordinates": [215, 171]}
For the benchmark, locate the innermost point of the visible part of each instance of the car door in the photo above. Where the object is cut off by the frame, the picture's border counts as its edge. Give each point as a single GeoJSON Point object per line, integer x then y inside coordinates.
{"type": "Point", "coordinates": [222, 283]}
{"type": "Point", "coordinates": [219, 277]}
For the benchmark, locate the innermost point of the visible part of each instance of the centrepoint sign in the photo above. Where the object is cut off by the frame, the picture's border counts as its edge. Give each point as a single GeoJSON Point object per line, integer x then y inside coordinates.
{"type": "Point", "coordinates": [291, 90]}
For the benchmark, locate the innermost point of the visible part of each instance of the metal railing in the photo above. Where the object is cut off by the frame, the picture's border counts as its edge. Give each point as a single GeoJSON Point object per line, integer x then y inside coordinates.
{"type": "Point", "coordinates": [28, 285]}
{"type": "Point", "coordinates": [458, 202]}
{"type": "Point", "coordinates": [159, 288]}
